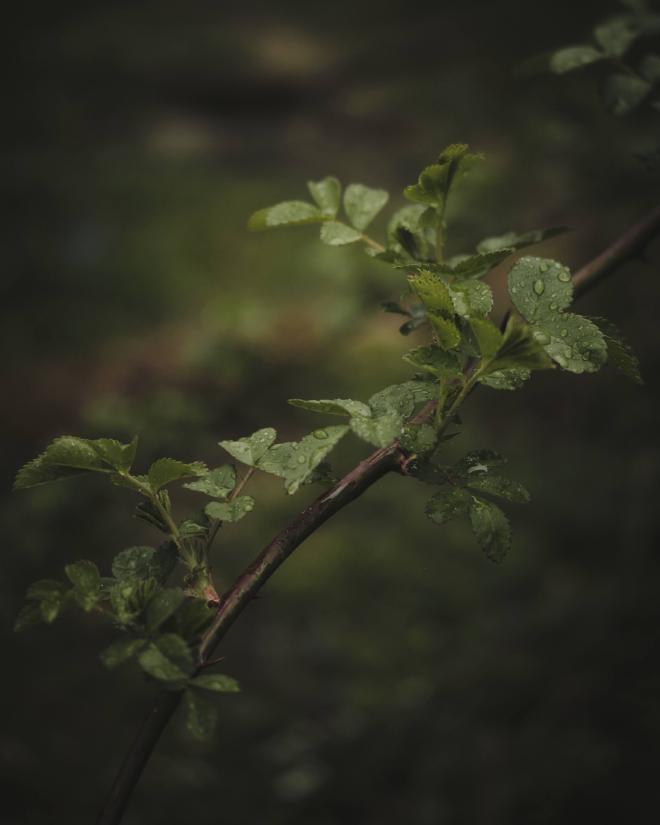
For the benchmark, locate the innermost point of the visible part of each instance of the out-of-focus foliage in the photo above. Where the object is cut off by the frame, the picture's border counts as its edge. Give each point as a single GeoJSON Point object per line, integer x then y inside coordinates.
{"type": "Point", "coordinates": [388, 673]}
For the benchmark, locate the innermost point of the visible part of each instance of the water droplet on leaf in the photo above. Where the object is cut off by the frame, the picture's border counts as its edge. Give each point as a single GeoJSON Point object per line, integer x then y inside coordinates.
{"type": "Point", "coordinates": [539, 287]}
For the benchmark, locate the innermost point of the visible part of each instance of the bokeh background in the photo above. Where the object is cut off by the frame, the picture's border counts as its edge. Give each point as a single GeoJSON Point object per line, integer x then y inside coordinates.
{"type": "Point", "coordinates": [390, 673]}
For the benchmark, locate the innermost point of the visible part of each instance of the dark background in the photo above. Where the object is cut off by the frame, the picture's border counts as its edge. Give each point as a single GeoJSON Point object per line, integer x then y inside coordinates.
{"type": "Point", "coordinates": [390, 673]}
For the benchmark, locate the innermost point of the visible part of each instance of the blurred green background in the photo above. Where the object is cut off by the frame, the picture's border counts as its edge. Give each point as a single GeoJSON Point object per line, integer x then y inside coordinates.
{"type": "Point", "coordinates": [390, 673]}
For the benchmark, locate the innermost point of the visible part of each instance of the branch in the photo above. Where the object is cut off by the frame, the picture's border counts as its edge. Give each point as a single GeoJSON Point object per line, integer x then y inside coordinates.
{"type": "Point", "coordinates": [356, 482]}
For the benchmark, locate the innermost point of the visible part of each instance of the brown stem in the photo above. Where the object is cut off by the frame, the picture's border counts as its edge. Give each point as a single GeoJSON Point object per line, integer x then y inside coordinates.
{"type": "Point", "coordinates": [356, 482]}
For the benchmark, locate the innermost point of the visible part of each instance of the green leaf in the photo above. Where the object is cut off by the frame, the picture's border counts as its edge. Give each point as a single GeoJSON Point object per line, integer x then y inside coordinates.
{"type": "Point", "coordinates": [477, 462]}
{"type": "Point", "coordinates": [326, 193]}
{"type": "Point", "coordinates": [446, 332]}
{"type": "Point", "coordinates": [166, 470]}
{"type": "Point", "coordinates": [519, 350]}
{"type": "Point", "coordinates": [201, 715]}
{"type": "Point", "coordinates": [287, 213]}
{"type": "Point", "coordinates": [250, 449]}
{"type": "Point", "coordinates": [50, 594]}
{"type": "Point", "coordinates": [491, 528]}
{"type": "Point", "coordinates": [117, 455]}
{"type": "Point", "coordinates": [475, 266]}
{"type": "Point", "coordinates": [296, 461]}
{"type": "Point", "coordinates": [435, 181]}
{"type": "Point", "coordinates": [163, 605]}
{"type": "Point", "coordinates": [574, 57]}
{"type": "Point", "coordinates": [335, 233]}
{"type": "Point", "coordinates": [407, 235]}
{"type": "Point", "coordinates": [230, 510]}
{"type": "Point", "coordinates": [471, 298]}
{"type": "Point", "coordinates": [129, 597]}
{"type": "Point", "coordinates": [489, 338]}
{"type": "Point", "coordinates": [433, 293]}
{"type": "Point", "coordinates": [66, 456]}
{"type": "Point", "coordinates": [121, 651]}
{"type": "Point", "coordinates": [362, 204]}
{"type": "Point", "coordinates": [402, 399]}
{"type": "Point", "coordinates": [619, 352]}
{"type": "Point", "coordinates": [86, 580]}
{"type": "Point", "coordinates": [624, 92]}
{"type": "Point", "coordinates": [448, 504]}
{"type": "Point", "coordinates": [616, 36]}
{"type": "Point", "coordinates": [500, 487]}
{"type": "Point", "coordinates": [217, 483]}
{"type": "Point", "coordinates": [380, 430]}
{"type": "Point", "coordinates": [516, 240]}
{"type": "Point", "coordinates": [216, 682]}
{"type": "Point", "coordinates": [509, 379]}
{"type": "Point", "coordinates": [167, 658]}
{"type": "Point", "coordinates": [541, 290]}
{"type": "Point", "coordinates": [418, 438]}
{"type": "Point", "coordinates": [334, 406]}
{"type": "Point", "coordinates": [435, 361]}
{"type": "Point", "coordinates": [136, 563]}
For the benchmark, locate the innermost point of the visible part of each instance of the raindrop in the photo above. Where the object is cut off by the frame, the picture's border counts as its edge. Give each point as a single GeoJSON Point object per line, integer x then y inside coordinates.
{"type": "Point", "coordinates": [564, 276]}
{"type": "Point", "coordinates": [553, 307]}
{"type": "Point", "coordinates": [541, 337]}
{"type": "Point", "coordinates": [543, 267]}
{"type": "Point", "coordinates": [564, 333]}
{"type": "Point", "coordinates": [539, 287]}
{"type": "Point", "coordinates": [320, 434]}
{"type": "Point", "coordinates": [302, 459]}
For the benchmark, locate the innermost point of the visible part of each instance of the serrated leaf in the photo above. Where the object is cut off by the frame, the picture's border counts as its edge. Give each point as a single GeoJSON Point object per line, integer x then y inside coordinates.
{"type": "Point", "coordinates": [471, 298]}
{"type": "Point", "coordinates": [326, 193]}
{"type": "Point", "coordinates": [362, 204]}
{"type": "Point", "coordinates": [402, 399]}
{"type": "Point", "coordinates": [418, 438]}
{"type": "Point", "coordinates": [332, 406]}
{"type": "Point", "coordinates": [163, 605]}
{"type": "Point", "coordinates": [615, 36]}
{"type": "Point", "coordinates": [488, 336]}
{"type": "Point", "coordinates": [501, 487]}
{"type": "Point", "coordinates": [85, 577]}
{"type": "Point", "coordinates": [287, 213]}
{"type": "Point", "coordinates": [474, 266]}
{"type": "Point", "coordinates": [406, 233]}
{"type": "Point", "coordinates": [619, 352]}
{"type": "Point", "coordinates": [141, 563]}
{"type": "Point", "coordinates": [64, 457]}
{"type": "Point", "coordinates": [217, 483]}
{"type": "Point", "coordinates": [436, 180]}
{"type": "Point", "coordinates": [166, 470]}
{"type": "Point", "coordinates": [296, 461]}
{"type": "Point", "coordinates": [541, 290]}
{"type": "Point", "coordinates": [121, 651]}
{"type": "Point", "coordinates": [230, 510]}
{"type": "Point", "coordinates": [624, 92]}
{"type": "Point", "coordinates": [250, 449]}
{"type": "Point", "coordinates": [574, 57]}
{"type": "Point", "coordinates": [446, 333]}
{"type": "Point", "coordinates": [216, 682]}
{"type": "Point", "coordinates": [433, 293]}
{"type": "Point", "coordinates": [491, 528]}
{"type": "Point", "coordinates": [518, 240]}
{"type": "Point", "coordinates": [201, 715]}
{"type": "Point", "coordinates": [117, 455]}
{"type": "Point", "coordinates": [167, 658]}
{"type": "Point", "coordinates": [434, 360]}
{"type": "Point", "coordinates": [448, 504]}
{"type": "Point", "coordinates": [509, 379]}
{"type": "Point", "coordinates": [335, 233]}
{"type": "Point", "coordinates": [129, 598]}
{"type": "Point", "coordinates": [379, 430]}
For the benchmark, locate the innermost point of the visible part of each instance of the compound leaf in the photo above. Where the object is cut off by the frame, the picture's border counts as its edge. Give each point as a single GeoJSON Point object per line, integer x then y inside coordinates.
{"type": "Point", "coordinates": [491, 528]}
{"type": "Point", "coordinates": [250, 449]}
{"type": "Point", "coordinates": [230, 510]}
{"type": "Point", "coordinates": [166, 470]}
{"type": "Point", "coordinates": [287, 213]}
{"type": "Point", "coordinates": [217, 483]}
{"type": "Point", "coordinates": [167, 658]}
{"type": "Point", "coordinates": [326, 193]}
